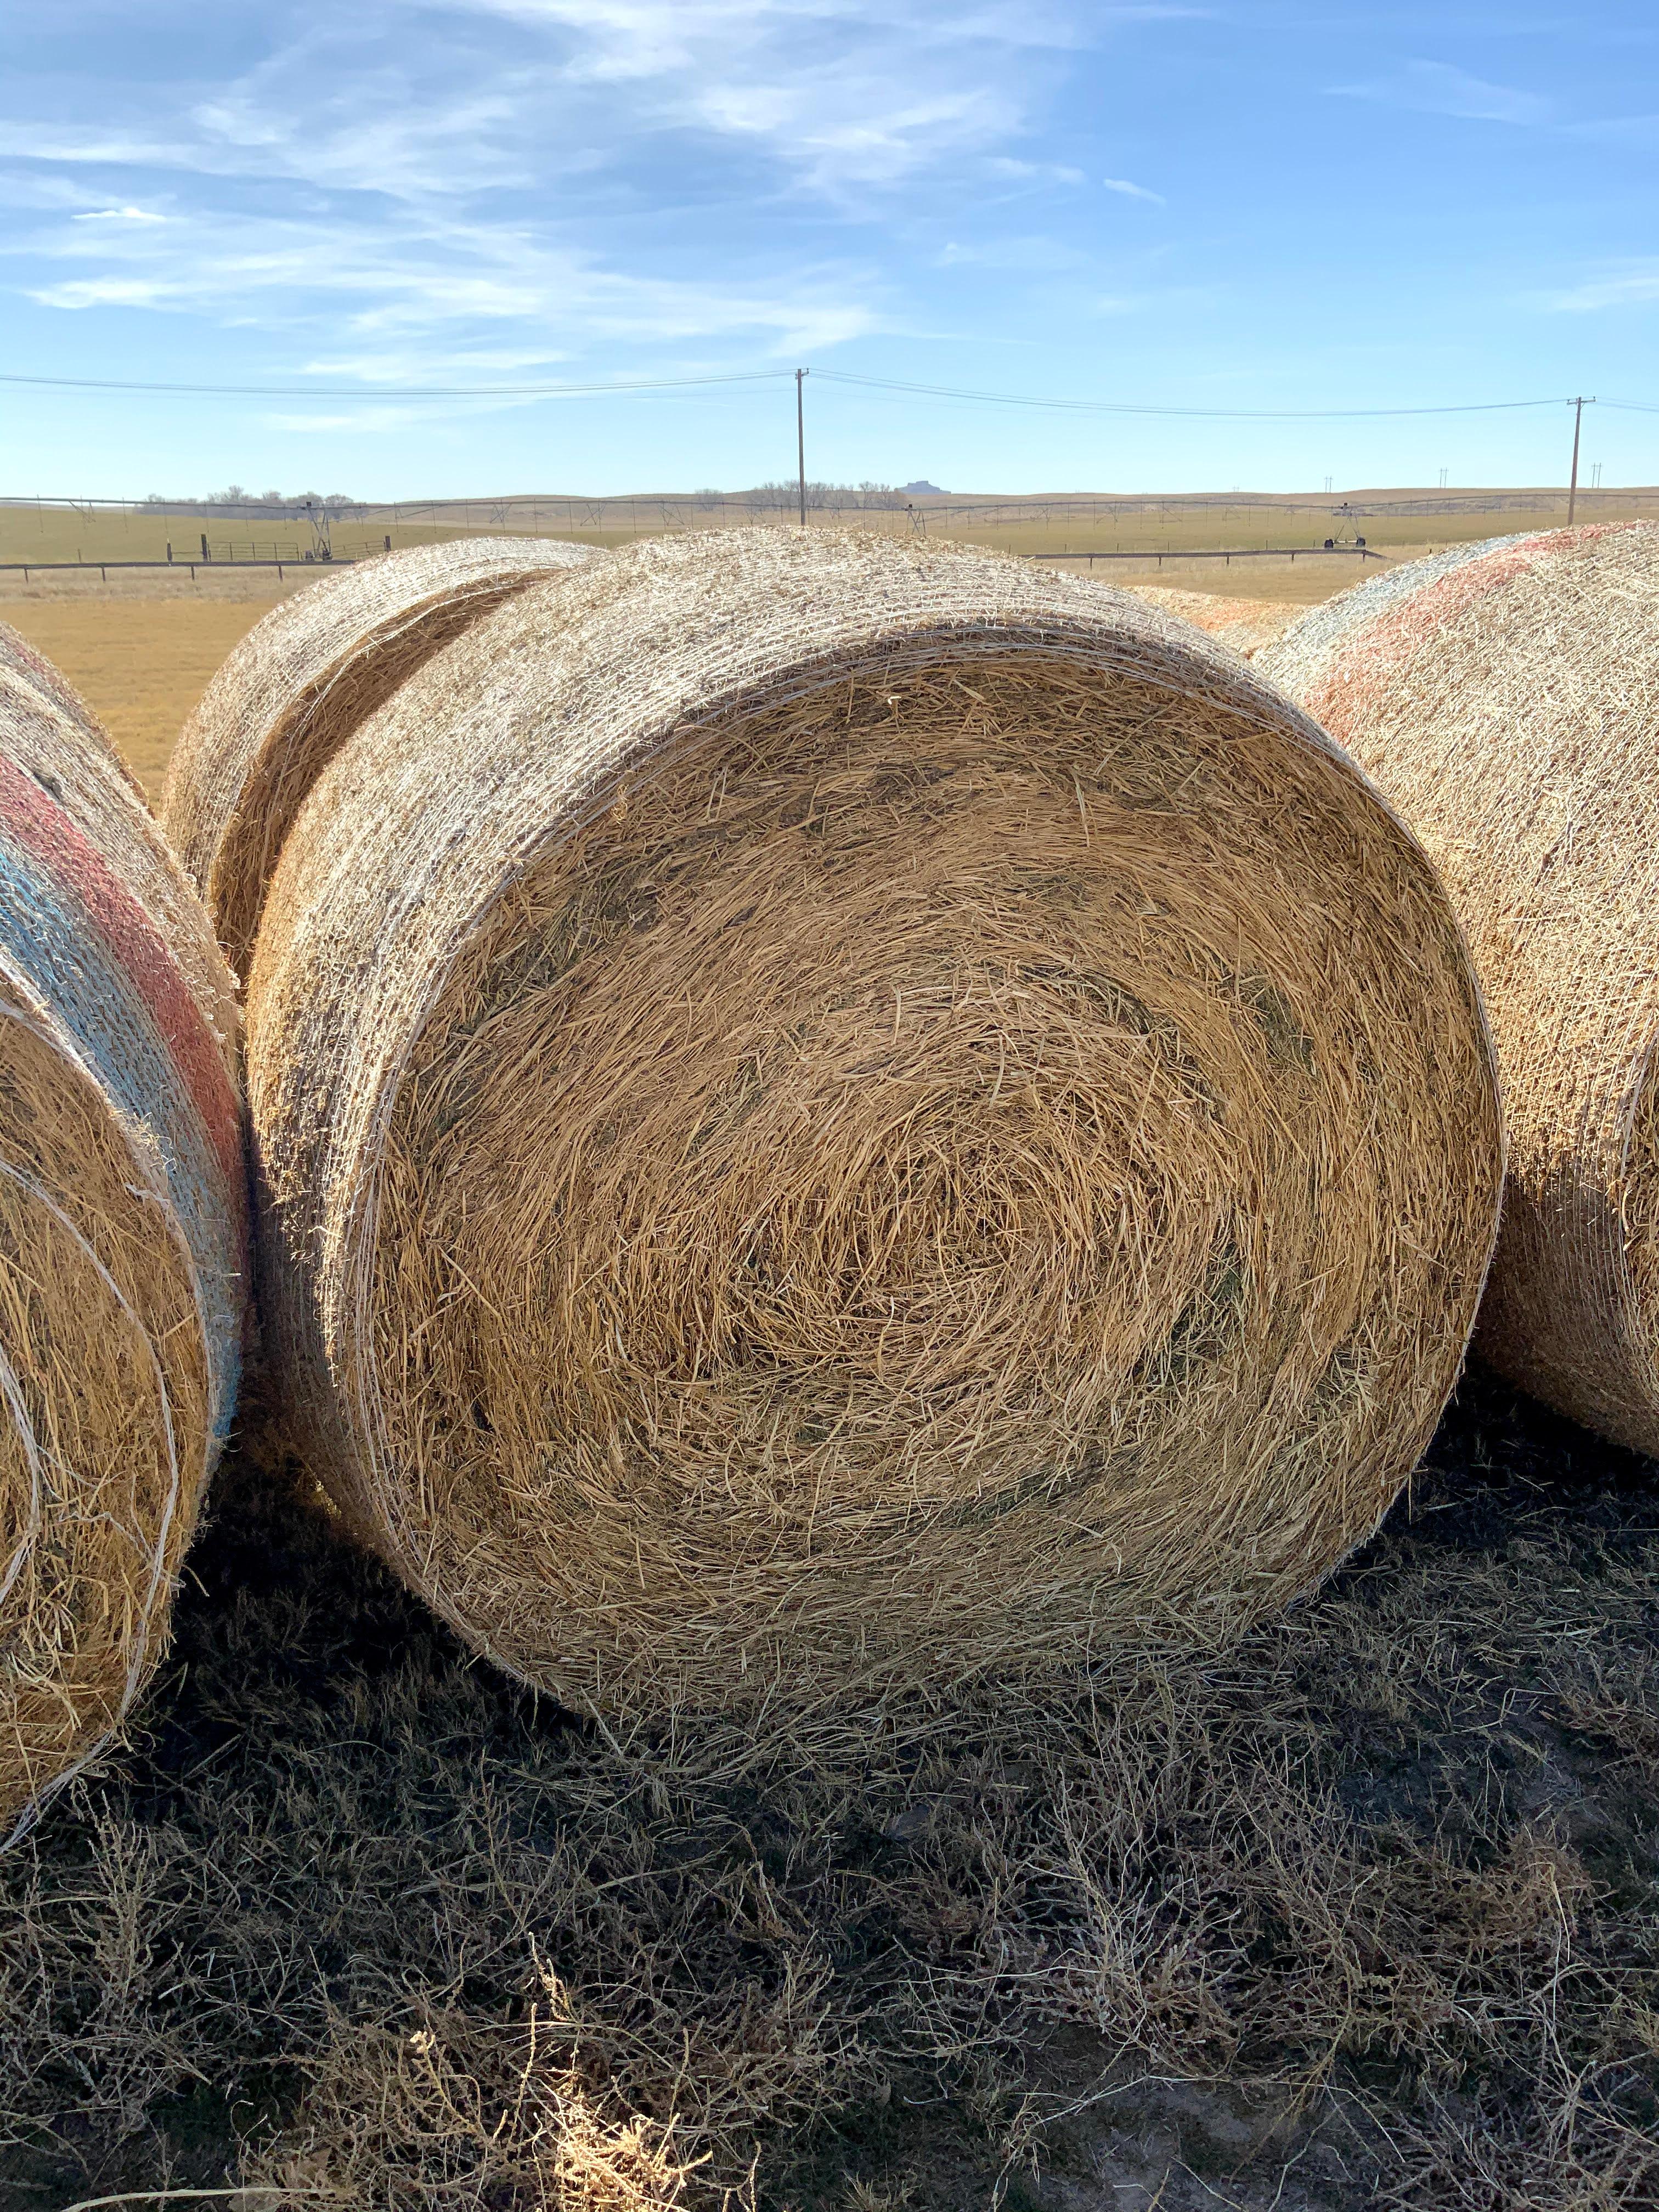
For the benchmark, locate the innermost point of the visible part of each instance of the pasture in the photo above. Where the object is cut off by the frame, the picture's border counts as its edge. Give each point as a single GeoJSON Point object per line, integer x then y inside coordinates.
{"type": "Point", "coordinates": [141, 644]}
{"type": "Point", "coordinates": [1400, 524]}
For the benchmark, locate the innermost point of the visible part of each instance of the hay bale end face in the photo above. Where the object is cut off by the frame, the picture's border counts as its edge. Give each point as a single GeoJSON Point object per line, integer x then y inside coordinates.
{"type": "Point", "coordinates": [295, 688]}
{"type": "Point", "coordinates": [835, 1114]}
{"type": "Point", "coordinates": [1505, 697]}
{"type": "Point", "coordinates": [121, 1233]}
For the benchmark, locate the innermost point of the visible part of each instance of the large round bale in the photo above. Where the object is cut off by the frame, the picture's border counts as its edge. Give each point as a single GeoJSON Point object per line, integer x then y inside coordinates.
{"type": "Point", "coordinates": [834, 1113]}
{"type": "Point", "coordinates": [297, 687]}
{"type": "Point", "coordinates": [1505, 697]}
{"type": "Point", "coordinates": [122, 1232]}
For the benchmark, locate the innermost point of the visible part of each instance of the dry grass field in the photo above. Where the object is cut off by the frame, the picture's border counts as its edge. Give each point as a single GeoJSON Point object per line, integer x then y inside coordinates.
{"type": "Point", "coordinates": [1159, 531]}
{"type": "Point", "coordinates": [1364, 1915]}
{"type": "Point", "coordinates": [140, 652]}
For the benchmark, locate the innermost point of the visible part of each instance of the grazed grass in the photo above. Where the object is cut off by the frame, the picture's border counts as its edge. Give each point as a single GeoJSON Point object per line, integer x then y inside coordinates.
{"type": "Point", "coordinates": [1368, 1913]}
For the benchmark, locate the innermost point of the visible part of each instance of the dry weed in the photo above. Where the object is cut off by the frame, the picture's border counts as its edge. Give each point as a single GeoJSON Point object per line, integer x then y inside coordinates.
{"type": "Point", "coordinates": [1365, 1912]}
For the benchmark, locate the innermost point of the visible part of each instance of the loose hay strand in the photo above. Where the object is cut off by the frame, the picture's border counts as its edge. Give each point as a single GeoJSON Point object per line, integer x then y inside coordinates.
{"type": "Point", "coordinates": [833, 1115]}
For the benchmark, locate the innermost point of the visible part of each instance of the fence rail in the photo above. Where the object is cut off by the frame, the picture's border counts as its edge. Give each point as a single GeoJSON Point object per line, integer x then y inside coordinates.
{"type": "Point", "coordinates": [1230, 553]}
{"type": "Point", "coordinates": [25, 568]}
{"type": "Point", "coordinates": [1160, 554]}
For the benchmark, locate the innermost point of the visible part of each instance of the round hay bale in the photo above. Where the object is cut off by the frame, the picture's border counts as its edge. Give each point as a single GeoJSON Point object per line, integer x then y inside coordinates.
{"type": "Point", "coordinates": [833, 1114]}
{"type": "Point", "coordinates": [1506, 697]}
{"type": "Point", "coordinates": [1246, 625]}
{"type": "Point", "coordinates": [122, 1232]}
{"type": "Point", "coordinates": [297, 687]}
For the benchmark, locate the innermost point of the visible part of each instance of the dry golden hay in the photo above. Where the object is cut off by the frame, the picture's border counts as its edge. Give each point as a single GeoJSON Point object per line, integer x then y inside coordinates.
{"type": "Point", "coordinates": [1505, 697]}
{"type": "Point", "coordinates": [833, 1114]}
{"type": "Point", "coordinates": [297, 687]}
{"type": "Point", "coordinates": [122, 1230]}
{"type": "Point", "coordinates": [1247, 625]}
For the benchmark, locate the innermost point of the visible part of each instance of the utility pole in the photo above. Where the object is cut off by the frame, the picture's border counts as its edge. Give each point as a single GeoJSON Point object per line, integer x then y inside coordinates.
{"type": "Point", "coordinates": [801, 374]}
{"type": "Point", "coordinates": [1572, 488]}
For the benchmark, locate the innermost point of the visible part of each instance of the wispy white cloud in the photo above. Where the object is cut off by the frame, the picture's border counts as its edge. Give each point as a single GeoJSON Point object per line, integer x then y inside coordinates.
{"type": "Point", "coordinates": [398, 286]}
{"type": "Point", "coordinates": [1644, 129]}
{"type": "Point", "coordinates": [841, 95]}
{"type": "Point", "coordinates": [1438, 89]}
{"type": "Point", "coordinates": [413, 182]}
{"type": "Point", "coordinates": [1133, 191]}
{"type": "Point", "coordinates": [1162, 299]}
{"type": "Point", "coordinates": [360, 421]}
{"type": "Point", "coordinates": [108, 149]}
{"type": "Point", "coordinates": [1629, 284]}
{"type": "Point", "coordinates": [1033, 173]}
{"type": "Point", "coordinates": [1033, 256]}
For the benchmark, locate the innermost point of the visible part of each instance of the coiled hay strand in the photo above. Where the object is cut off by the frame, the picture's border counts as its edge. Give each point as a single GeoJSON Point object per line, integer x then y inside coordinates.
{"type": "Point", "coordinates": [1246, 625]}
{"type": "Point", "coordinates": [835, 1113]}
{"type": "Point", "coordinates": [297, 687]}
{"type": "Point", "coordinates": [122, 1234]}
{"type": "Point", "coordinates": [1505, 697]}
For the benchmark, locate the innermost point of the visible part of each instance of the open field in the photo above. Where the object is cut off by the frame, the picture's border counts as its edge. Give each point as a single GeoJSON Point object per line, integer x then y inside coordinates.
{"type": "Point", "coordinates": [1395, 522]}
{"type": "Point", "coordinates": [141, 645]}
{"type": "Point", "coordinates": [142, 670]}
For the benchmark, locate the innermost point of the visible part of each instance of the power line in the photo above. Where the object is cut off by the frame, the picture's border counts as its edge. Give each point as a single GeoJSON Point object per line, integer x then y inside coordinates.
{"type": "Point", "coordinates": [1203, 414]}
{"type": "Point", "coordinates": [393, 390]}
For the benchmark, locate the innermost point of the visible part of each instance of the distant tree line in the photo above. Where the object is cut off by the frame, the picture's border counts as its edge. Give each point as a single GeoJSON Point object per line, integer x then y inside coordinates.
{"type": "Point", "coordinates": [269, 506]}
{"type": "Point", "coordinates": [842, 495]}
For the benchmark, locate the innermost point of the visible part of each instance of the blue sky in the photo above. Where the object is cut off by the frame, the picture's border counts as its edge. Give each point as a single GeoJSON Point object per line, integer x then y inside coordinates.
{"type": "Point", "coordinates": [1240, 206]}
